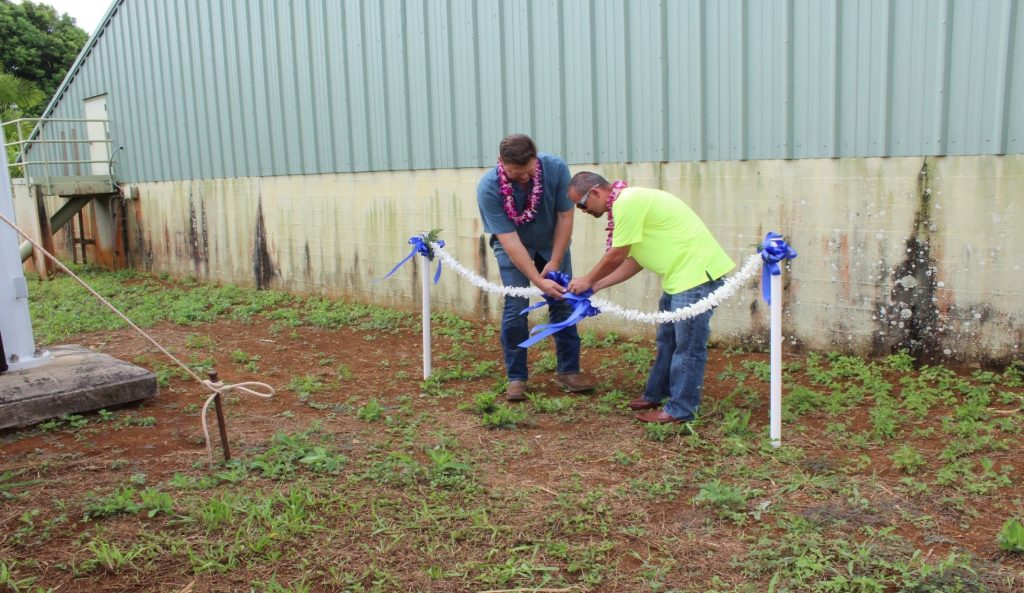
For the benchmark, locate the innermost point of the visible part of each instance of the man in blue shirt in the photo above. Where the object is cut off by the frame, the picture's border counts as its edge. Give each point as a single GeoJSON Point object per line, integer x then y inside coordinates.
{"type": "Point", "coordinates": [524, 205]}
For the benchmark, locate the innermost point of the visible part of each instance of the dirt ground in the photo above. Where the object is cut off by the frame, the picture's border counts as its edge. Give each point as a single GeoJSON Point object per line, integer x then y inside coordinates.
{"type": "Point", "coordinates": [579, 452]}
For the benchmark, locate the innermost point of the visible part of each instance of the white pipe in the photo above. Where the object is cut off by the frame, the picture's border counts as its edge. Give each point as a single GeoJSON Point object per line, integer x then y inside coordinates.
{"type": "Point", "coordinates": [425, 276]}
{"type": "Point", "coordinates": [776, 361]}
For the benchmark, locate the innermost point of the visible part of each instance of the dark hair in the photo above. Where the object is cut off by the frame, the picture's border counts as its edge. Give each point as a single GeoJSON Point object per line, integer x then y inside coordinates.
{"type": "Point", "coordinates": [517, 149]}
{"type": "Point", "coordinates": [583, 181]}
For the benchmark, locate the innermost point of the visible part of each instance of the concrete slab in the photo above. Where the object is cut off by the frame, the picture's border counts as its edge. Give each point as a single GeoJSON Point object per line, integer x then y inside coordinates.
{"type": "Point", "coordinates": [77, 185]}
{"type": "Point", "coordinates": [76, 380]}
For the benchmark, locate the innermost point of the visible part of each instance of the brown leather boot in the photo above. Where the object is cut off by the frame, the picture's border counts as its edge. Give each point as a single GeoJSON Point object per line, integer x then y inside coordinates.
{"type": "Point", "coordinates": [516, 391]}
{"type": "Point", "coordinates": [660, 417]}
{"type": "Point", "coordinates": [575, 382]}
{"type": "Point", "coordinates": [642, 404]}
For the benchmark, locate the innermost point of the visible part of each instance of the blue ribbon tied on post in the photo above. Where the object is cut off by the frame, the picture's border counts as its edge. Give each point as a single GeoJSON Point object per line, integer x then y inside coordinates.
{"type": "Point", "coordinates": [420, 246]}
{"type": "Point", "coordinates": [581, 309]}
{"type": "Point", "coordinates": [773, 250]}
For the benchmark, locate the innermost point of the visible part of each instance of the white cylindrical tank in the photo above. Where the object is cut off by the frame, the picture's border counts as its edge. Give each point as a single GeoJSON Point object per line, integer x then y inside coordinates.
{"type": "Point", "coordinates": [15, 324]}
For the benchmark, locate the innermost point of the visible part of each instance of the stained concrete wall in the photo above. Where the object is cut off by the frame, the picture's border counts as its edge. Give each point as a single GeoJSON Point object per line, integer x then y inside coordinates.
{"type": "Point", "coordinates": [917, 253]}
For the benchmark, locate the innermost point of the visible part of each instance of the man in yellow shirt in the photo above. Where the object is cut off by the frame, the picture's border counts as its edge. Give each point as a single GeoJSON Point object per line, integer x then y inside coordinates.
{"type": "Point", "coordinates": [654, 230]}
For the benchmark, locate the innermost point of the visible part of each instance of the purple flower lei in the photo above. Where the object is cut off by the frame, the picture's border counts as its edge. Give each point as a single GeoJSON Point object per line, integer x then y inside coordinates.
{"type": "Point", "coordinates": [617, 187]}
{"type": "Point", "coordinates": [531, 203]}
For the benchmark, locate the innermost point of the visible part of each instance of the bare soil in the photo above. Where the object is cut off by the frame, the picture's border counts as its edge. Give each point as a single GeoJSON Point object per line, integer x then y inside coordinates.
{"type": "Point", "coordinates": [551, 455]}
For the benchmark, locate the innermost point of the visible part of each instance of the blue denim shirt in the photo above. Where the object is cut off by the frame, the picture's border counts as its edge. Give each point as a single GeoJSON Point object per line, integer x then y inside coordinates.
{"type": "Point", "coordinates": [538, 235]}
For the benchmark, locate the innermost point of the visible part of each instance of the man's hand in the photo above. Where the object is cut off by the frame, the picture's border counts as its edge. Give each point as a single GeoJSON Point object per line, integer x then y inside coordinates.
{"type": "Point", "coordinates": [580, 285]}
{"type": "Point", "coordinates": [551, 288]}
{"type": "Point", "coordinates": [551, 266]}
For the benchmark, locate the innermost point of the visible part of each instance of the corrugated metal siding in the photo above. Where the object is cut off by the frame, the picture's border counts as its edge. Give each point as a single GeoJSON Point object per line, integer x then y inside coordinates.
{"type": "Point", "coordinates": [201, 89]}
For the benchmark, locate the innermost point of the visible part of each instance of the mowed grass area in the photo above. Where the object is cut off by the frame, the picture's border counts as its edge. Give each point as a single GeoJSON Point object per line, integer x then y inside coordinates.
{"type": "Point", "coordinates": [360, 477]}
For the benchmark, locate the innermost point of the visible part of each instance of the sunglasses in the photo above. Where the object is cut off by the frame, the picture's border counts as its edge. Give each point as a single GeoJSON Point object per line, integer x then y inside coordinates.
{"type": "Point", "coordinates": [582, 204]}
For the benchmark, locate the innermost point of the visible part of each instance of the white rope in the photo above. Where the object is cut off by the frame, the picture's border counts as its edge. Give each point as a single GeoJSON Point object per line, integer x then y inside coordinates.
{"type": "Point", "coordinates": [716, 298]}
{"type": "Point", "coordinates": [479, 281]}
{"type": "Point", "coordinates": [220, 387]}
{"type": "Point", "coordinates": [729, 288]}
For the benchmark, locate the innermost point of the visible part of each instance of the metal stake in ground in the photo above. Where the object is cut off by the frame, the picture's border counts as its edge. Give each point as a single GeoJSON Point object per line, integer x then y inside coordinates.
{"type": "Point", "coordinates": [221, 424]}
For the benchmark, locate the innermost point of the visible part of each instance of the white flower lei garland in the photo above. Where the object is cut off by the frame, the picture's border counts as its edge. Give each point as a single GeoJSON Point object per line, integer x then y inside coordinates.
{"type": "Point", "coordinates": [716, 298]}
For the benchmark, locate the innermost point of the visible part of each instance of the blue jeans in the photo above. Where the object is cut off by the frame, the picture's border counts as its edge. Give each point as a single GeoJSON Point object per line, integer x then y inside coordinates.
{"type": "Point", "coordinates": [678, 372]}
{"type": "Point", "coordinates": [514, 327]}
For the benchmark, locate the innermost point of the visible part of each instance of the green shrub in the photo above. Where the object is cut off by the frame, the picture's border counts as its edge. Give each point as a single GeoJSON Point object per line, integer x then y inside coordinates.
{"type": "Point", "coordinates": [550, 405]}
{"type": "Point", "coordinates": [901, 361]}
{"type": "Point", "coordinates": [305, 385]}
{"type": "Point", "coordinates": [661, 432]}
{"type": "Point", "coordinates": [505, 417]}
{"type": "Point", "coordinates": [484, 402]}
{"type": "Point", "coordinates": [120, 501]}
{"type": "Point", "coordinates": [1011, 536]}
{"type": "Point", "coordinates": [736, 423]}
{"type": "Point", "coordinates": [371, 411]}
{"type": "Point", "coordinates": [729, 502]}
{"type": "Point", "coordinates": [907, 459]}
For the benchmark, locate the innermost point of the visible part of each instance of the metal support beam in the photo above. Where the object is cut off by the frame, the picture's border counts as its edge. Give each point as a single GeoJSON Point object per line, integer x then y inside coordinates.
{"type": "Point", "coordinates": [70, 208]}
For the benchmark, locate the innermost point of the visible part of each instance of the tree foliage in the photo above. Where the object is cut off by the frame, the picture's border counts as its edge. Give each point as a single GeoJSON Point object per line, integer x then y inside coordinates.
{"type": "Point", "coordinates": [16, 96]}
{"type": "Point", "coordinates": [39, 45]}
{"type": "Point", "coordinates": [16, 92]}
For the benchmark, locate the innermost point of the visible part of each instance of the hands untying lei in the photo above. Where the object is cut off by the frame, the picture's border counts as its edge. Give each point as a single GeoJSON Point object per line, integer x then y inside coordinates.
{"type": "Point", "coordinates": [580, 285]}
{"type": "Point", "coordinates": [581, 307]}
{"type": "Point", "coordinates": [551, 288]}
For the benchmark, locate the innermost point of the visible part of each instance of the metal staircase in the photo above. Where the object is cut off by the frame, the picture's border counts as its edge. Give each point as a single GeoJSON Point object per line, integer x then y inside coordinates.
{"type": "Point", "coordinates": [70, 158]}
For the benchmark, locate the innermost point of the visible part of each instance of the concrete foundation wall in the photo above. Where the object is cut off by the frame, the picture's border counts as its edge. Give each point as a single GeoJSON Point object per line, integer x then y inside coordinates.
{"type": "Point", "coordinates": [917, 253]}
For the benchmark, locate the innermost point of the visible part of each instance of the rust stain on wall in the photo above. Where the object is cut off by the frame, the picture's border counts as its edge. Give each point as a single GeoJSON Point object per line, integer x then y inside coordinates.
{"type": "Point", "coordinates": [101, 257]}
{"type": "Point", "coordinates": [167, 239]}
{"type": "Point", "coordinates": [352, 277]}
{"type": "Point", "coordinates": [483, 302]}
{"type": "Point", "coordinates": [307, 263]}
{"type": "Point", "coordinates": [262, 266]}
{"type": "Point", "coordinates": [844, 264]}
{"type": "Point", "coordinates": [910, 318]}
{"type": "Point", "coordinates": [142, 245]}
{"type": "Point", "coordinates": [198, 237]}
{"type": "Point", "coordinates": [205, 234]}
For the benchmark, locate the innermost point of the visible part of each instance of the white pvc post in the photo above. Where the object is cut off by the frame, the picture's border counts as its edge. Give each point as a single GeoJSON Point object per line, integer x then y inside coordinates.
{"type": "Point", "coordinates": [425, 275]}
{"type": "Point", "coordinates": [776, 359]}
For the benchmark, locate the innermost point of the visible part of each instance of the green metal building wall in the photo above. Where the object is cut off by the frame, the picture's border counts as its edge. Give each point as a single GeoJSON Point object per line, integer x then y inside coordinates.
{"type": "Point", "coordinates": [234, 88]}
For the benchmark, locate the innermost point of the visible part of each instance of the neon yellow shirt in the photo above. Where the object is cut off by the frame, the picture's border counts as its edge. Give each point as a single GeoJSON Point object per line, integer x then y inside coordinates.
{"type": "Point", "coordinates": [668, 238]}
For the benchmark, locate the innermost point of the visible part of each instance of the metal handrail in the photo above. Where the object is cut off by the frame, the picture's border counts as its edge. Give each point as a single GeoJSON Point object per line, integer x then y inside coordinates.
{"type": "Point", "coordinates": [47, 162]}
{"type": "Point", "coordinates": [38, 136]}
{"type": "Point", "coordinates": [56, 119]}
{"type": "Point", "coordinates": [69, 141]}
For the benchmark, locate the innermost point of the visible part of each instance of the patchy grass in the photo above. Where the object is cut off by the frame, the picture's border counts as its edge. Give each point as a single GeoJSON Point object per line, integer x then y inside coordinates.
{"type": "Point", "coordinates": [361, 477]}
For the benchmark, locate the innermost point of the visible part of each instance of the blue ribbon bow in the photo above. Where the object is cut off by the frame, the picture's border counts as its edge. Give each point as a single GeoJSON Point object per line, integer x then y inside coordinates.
{"type": "Point", "coordinates": [581, 309]}
{"type": "Point", "coordinates": [423, 248]}
{"type": "Point", "coordinates": [773, 250]}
